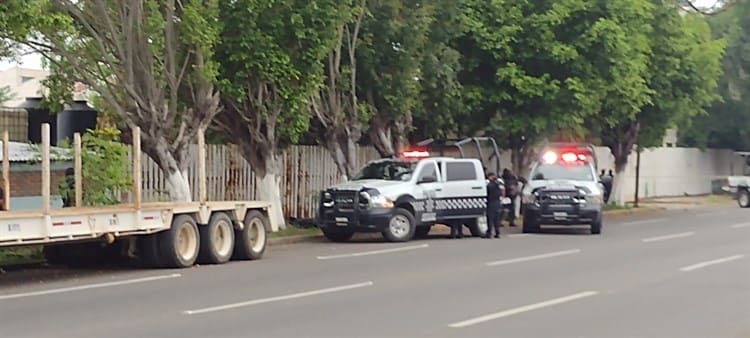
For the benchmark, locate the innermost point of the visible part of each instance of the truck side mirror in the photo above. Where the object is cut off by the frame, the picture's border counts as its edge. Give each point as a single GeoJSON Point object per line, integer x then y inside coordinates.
{"type": "Point", "coordinates": [427, 179]}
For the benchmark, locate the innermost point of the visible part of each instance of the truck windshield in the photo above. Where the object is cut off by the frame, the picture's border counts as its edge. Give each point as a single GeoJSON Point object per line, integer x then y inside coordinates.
{"type": "Point", "coordinates": [556, 171]}
{"type": "Point", "coordinates": [386, 170]}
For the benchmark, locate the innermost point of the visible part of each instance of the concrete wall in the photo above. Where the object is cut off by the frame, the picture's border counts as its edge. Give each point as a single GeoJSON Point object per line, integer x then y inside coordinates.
{"type": "Point", "coordinates": [674, 171]}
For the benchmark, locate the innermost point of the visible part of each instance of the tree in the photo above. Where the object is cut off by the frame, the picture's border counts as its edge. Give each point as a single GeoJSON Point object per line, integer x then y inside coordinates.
{"type": "Point", "coordinates": [271, 60]}
{"type": "Point", "coordinates": [526, 73]}
{"type": "Point", "coordinates": [5, 95]}
{"type": "Point", "coordinates": [151, 61]}
{"type": "Point", "coordinates": [339, 117]}
{"type": "Point", "coordinates": [726, 123]}
{"type": "Point", "coordinates": [682, 64]}
{"type": "Point", "coordinates": [394, 39]}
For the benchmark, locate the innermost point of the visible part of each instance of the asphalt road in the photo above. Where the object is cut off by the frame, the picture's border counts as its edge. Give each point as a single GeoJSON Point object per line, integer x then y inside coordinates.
{"type": "Point", "coordinates": [683, 273]}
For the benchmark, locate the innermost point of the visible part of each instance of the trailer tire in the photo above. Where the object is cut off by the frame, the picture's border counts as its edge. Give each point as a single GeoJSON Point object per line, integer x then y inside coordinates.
{"type": "Point", "coordinates": [217, 240]}
{"type": "Point", "coordinates": [250, 242]}
{"type": "Point", "coordinates": [743, 198]}
{"type": "Point", "coordinates": [180, 244]}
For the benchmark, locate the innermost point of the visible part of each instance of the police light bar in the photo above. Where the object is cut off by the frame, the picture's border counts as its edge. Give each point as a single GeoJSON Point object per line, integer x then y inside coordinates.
{"type": "Point", "coordinates": [549, 157]}
{"type": "Point", "coordinates": [415, 154]}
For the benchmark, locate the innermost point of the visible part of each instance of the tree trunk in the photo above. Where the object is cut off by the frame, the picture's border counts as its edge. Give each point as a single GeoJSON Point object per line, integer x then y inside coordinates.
{"type": "Point", "coordinates": [172, 164]}
{"type": "Point", "coordinates": [266, 164]}
{"type": "Point", "coordinates": [617, 195]}
{"type": "Point", "coordinates": [381, 136]}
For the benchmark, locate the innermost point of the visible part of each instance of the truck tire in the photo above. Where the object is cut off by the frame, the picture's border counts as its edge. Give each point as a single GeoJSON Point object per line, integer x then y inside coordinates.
{"type": "Point", "coordinates": [478, 226]}
{"type": "Point", "coordinates": [743, 198]}
{"type": "Point", "coordinates": [180, 244]}
{"type": "Point", "coordinates": [250, 242]}
{"type": "Point", "coordinates": [530, 225]}
{"type": "Point", "coordinates": [596, 226]}
{"type": "Point", "coordinates": [217, 240]}
{"type": "Point", "coordinates": [338, 235]}
{"type": "Point", "coordinates": [401, 226]}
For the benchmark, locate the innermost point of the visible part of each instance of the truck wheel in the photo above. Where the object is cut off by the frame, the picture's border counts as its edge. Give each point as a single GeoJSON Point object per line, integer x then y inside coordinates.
{"type": "Point", "coordinates": [338, 235]}
{"type": "Point", "coordinates": [530, 225]}
{"type": "Point", "coordinates": [217, 240]}
{"type": "Point", "coordinates": [250, 242]}
{"type": "Point", "coordinates": [180, 244]}
{"type": "Point", "coordinates": [596, 227]}
{"type": "Point", "coordinates": [743, 198]}
{"type": "Point", "coordinates": [401, 226]}
{"type": "Point", "coordinates": [422, 231]}
{"type": "Point", "coordinates": [478, 227]}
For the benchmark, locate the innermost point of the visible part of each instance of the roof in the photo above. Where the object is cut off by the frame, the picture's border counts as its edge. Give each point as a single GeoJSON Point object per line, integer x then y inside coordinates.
{"type": "Point", "coordinates": [25, 152]}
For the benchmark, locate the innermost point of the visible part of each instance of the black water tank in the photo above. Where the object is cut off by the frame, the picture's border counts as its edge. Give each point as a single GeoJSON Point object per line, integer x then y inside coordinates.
{"type": "Point", "coordinates": [76, 118]}
{"type": "Point", "coordinates": [37, 116]}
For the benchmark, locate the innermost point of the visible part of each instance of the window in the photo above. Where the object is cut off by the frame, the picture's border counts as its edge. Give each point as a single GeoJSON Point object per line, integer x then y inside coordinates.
{"type": "Point", "coordinates": [460, 171]}
{"type": "Point", "coordinates": [427, 171]}
{"type": "Point", "coordinates": [579, 172]}
{"type": "Point", "coordinates": [390, 170]}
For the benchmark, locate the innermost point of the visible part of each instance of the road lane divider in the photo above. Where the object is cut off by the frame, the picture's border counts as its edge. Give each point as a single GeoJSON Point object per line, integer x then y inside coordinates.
{"type": "Point", "coordinates": [279, 298]}
{"type": "Point", "coordinates": [740, 226]}
{"type": "Point", "coordinates": [523, 309]}
{"type": "Point", "coordinates": [668, 237]}
{"type": "Point", "coordinates": [535, 257]}
{"type": "Point", "coordinates": [90, 286]}
{"type": "Point", "coordinates": [709, 263]}
{"type": "Point", "coordinates": [645, 221]}
{"type": "Point", "coordinates": [375, 252]}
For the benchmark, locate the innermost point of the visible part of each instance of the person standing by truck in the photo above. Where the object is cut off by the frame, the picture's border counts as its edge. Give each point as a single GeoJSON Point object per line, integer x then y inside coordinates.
{"type": "Point", "coordinates": [494, 207]}
{"type": "Point", "coordinates": [511, 191]}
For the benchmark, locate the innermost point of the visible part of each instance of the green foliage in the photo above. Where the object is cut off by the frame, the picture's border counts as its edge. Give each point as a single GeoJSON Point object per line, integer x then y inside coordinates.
{"type": "Point", "coordinates": [105, 168]}
{"type": "Point", "coordinates": [726, 124]}
{"type": "Point", "coordinates": [271, 60]}
{"type": "Point", "coordinates": [5, 95]}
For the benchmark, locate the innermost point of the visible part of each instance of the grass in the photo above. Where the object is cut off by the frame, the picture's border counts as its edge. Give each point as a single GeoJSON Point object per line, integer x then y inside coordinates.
{"type": "Point", "coordinates": [21, 255]}
{"type": "Point", "coordinates": [611, 207]}
{"type": "Point", "coordinates": [294, 231]}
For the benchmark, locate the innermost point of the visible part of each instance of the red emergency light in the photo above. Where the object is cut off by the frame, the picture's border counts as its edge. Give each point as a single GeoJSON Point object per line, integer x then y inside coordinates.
{"type": "Point", "coordinates": [566, 157]}
{"type": "Point", "coordinates": [415, 154]}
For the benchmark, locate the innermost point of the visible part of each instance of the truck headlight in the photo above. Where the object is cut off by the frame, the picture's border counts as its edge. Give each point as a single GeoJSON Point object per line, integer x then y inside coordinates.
{"type": "Point", "coordinates": [381, 201]}
{"type": "Point", "coordinates": [327, 200]}
{"type": "Point", "coordinates": [594, 199]}
{"type": "Point", "coordinates": [529, 198]}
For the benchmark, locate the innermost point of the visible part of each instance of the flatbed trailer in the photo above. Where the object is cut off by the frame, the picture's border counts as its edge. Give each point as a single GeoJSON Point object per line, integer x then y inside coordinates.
{"type": "Point", "coordinates": [164, 234]}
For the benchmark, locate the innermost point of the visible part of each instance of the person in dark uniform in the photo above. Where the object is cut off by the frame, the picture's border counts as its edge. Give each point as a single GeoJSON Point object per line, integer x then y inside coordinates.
{"type": "Point", "coordinates": [494, 193]}
{"type": "Point", "coordinates": [511, 191]}
{"type": "Point", "coordinates": [69, 182]}
{"type": "Point", "coordinates": [607, 183]}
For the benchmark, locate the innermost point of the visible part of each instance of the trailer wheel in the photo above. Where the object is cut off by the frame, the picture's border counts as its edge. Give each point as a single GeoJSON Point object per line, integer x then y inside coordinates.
{"type": "Point", "coordinates": [217, 240]}
{"type": "Point", "coordinates": [250, 242]}
{"type": "Point", "coordinates": [180, 244]}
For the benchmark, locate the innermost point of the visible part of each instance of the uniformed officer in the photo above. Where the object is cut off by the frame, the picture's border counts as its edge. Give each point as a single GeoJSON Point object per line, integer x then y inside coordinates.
{"type": "Point", "coordinates": [494, 192]}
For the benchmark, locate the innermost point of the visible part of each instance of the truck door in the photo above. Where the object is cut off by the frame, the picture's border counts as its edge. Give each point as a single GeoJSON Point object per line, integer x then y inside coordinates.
{"type": "Point", "coordinates": [428, 187]}
{"type": "Point", "coordinates": [464, 192]}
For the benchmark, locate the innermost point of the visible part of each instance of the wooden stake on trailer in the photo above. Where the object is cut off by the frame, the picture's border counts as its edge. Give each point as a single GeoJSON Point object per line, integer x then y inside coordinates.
{"type": "Point", "coordinates": [78, 169]}
{"type": "Point", "coordinates": [6, 172]}
{"type": "Point", "coordinates": [45, 169]}
{"type": "Point", "coordinates": [137, 167]}
{"type": "Point", "coordinates": [202, 166]}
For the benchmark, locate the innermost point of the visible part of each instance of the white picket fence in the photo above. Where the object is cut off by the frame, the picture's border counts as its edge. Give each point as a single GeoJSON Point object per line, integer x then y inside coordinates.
{"type": "Point", "coordinates": [306, 170]}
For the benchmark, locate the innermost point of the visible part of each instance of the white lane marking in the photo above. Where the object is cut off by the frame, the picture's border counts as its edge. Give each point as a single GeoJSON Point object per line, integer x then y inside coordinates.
{"type": "Point", "coordinates": [519, 235]}
{"type": "Point", "coordinates": [90, 286]}
{"type": "Point", "coordinates": [522, 309]}
{"type": "Point", "coordinates": [279, 298]}
{"type": "Point", "coordinates": [529, 258]}
{"type": "Point", "coordinates": [375, 252]}
{"type": "Point", "coordinates": [715, 261]}
{"type": "Point", "coordinates": [666, 237]}
{"type": "Point", "coordinates": [741, 225]}
{"type": "Point", "coordinates": [645, 221]}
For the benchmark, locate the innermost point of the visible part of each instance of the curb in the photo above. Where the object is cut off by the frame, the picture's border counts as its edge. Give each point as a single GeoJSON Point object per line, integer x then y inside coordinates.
{"type": "Point", "coordinates": [294, 239]}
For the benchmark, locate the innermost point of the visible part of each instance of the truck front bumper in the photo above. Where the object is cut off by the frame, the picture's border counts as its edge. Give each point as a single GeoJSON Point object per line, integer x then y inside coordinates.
{"type": "Point", "coordinates": [363, 220]}
{"type": "Point", "coordinates": [562, 214]}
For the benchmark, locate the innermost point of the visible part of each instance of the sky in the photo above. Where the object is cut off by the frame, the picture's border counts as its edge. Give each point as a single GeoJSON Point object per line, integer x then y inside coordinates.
{"type": "Point", "coordinates": [33, 61]}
